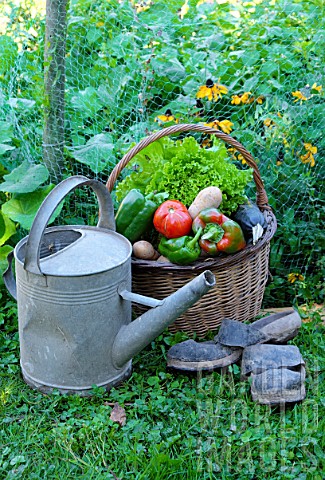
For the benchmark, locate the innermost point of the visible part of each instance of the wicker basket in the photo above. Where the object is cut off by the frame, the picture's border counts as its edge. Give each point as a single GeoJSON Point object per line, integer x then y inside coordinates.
{"type": "Point", "coordinates": [240, 277]}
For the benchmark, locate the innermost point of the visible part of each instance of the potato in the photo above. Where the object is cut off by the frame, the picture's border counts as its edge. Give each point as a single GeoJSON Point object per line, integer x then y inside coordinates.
{"type": "Point", "coordinates": [206, 198]}
{"type": "Point", "coordinates": [144, 250]}
{"type": "Point", "coordinates": [163, 259]}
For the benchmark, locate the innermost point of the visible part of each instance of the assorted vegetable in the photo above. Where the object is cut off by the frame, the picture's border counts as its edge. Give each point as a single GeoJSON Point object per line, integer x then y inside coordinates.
{"type": "Point", "coordinates": [136, 212]}
{"type": "Point", "coordinates": [200, 179]}
{"type": "Point", "coordinates": [183, 169]}
{"type": "Point", "coordinates": [144, 250]}
{"type": "Point", "coordinates": [181, 250]}
{"type": "Point", "coordinates": [251, 220]}
{"type": "Point", "coordinates": [206, 198]}
{"type": "Point", "coordinates": [172, 219]}
{"type": "Point", "coordinates": [220, 233]}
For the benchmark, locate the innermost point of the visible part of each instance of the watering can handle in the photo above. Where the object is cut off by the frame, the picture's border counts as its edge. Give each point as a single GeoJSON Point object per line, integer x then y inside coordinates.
{"type": "Point", "coordinates": [51, 202]}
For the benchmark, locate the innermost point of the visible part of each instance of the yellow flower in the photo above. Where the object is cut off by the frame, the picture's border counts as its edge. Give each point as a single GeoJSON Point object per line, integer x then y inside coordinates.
{"type": "Point", "coordinates": [300, 96]}
{"type": "Point", "coordinates": [285, 143]}
{"type": "Point", "coordinates": [318, 88]}
{"type": "Point", "coordinates": [142, 6]}
{"type": "Point", "coordinates": [308, 158]}
{"type": "Point", "coordinates": [225, 125]}
{"type": "Point", "coordinates": [183, 10]}
{"type": "Point", "coordinates": [244, 98]}
{"type": "Point", "coordinates": [211, 90]}
{"type": "Point", "coordinates": [292, 277]}
{"type": "Point", "coordinates": [206, 143]}
{"type": "Point", "coordinates": [260, 99]}
{"type": "Point", "coordinates": [236, 100]}
{"type": "Point", "coordinates": [152, 44]}
{"type": "Point", "coordinates": [278, 163]}
{"type": "Point", "coordinates": [268, 122]}
{"type": "Point", "coordinates": [309, 147]}
{"type": "Point", "coordinates": [167, 117]}
{"type": "Point", "coordinates": [213, 124]}
{"type": "Point", "coordinates": [233, 152]}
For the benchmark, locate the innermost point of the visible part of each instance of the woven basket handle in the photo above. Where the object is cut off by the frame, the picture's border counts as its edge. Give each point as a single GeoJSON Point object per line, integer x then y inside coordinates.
{"type": "Point", "coordinates": [261, 197]}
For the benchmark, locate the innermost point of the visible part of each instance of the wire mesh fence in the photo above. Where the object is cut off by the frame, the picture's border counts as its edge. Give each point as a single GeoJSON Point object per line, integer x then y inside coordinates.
{"type": "Point", "coordinates": [252, 69]}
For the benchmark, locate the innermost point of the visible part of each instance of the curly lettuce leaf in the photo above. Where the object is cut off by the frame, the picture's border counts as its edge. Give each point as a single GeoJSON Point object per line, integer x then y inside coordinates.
{"type": "Point", "coordinates": [183, 169]}
{"type": "Point", "coordinates": [145, 169]}
{"type": "Point", "coordinates": [193, 168]}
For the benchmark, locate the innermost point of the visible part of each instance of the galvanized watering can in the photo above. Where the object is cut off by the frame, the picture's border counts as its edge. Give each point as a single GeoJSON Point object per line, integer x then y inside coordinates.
{"type": "Point", "coordinates": [73, 288]}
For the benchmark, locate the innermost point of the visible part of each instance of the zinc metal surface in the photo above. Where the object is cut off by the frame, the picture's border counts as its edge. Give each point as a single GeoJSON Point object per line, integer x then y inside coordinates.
{"type": "Point", "coordinates": [93, 250]}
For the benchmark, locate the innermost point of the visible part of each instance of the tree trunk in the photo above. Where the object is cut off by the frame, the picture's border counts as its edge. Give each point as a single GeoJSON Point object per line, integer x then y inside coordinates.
{"type": "Point", "coordinates": [54, 86]}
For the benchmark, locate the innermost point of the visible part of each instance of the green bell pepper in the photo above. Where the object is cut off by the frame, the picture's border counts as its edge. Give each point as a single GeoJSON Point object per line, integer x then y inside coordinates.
{"type": "Point", "coordinates": [181, 250]}
{"type": "Point", "coordinates": [135, 213]}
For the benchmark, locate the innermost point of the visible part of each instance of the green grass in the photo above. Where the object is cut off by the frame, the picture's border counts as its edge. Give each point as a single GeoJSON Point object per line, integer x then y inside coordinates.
{"type": "Point", "coordinates": [177, 426]}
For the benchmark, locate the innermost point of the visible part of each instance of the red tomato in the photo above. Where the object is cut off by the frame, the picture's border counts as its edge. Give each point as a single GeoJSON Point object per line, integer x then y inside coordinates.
{"type": "Point", "coordinates": [172, 219]}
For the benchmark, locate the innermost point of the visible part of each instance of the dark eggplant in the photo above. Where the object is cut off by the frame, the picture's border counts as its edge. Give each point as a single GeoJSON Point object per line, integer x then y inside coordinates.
{"type": "Point", "coordinates": [249, 216]}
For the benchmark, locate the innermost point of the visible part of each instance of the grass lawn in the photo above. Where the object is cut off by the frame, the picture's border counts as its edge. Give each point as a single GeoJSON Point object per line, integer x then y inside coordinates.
{"type": "Point", "coordinates": [177, 426]}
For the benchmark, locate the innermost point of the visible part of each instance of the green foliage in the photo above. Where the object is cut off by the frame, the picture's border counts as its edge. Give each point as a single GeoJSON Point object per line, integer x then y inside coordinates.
{"type": "Point", "coordinates": [22, 207]}
{"type": "Point", "coordinates": [183, 169]}
{"type": "Point", "coordinates": [145, 170]}
{"type": "Point", "coordinates": [2, 225]}
{"type": "Point", "coordinates": [96, 153]}
{"type": "Point", "coordinates": [25, 178]}
{"type": "Point", "coordinates": [8, 53]}
{"type": "Point", "coordinates": [193, 427]}
{"type": "Point", "coordinates": [128, 62]}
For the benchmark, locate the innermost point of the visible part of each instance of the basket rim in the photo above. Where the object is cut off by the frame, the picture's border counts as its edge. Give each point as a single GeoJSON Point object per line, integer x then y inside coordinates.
{"type": "Point", "coordinates": [210, 262]}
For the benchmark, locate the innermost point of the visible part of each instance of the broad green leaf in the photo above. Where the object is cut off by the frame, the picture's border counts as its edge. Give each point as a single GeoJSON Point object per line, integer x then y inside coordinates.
{"type": "Point", "coordinates": [77, 20]}
{"type": "Point", "coordinates": [21, 103]}
{"type": "Point", "coordinates": [5, 148]}
{"type": "Point", "coordinates": [23, 207]}
{"type": "Point", "coordinates": [250, 84]}
{"type": "Point", "coordinates": [6, 132]}
{"type": "Point", "coordinates": [87, 102]}
{"type": "Point", "coordinates": [275, 83]}
{"type": "Point", "coordinates": [172, 69]}
{"type": "Point", "coordinates": [10, 229]}
{"type": "Point", "coordinates": [269, 67]}
{"type": "Point", "coordinates": [93, 35]}
{"type": "Point", "coordinates": [214, 41]}
{"type": "Point", "coordinates": [25, 178]}
{"type": "Point", "coordinates": [251, 57]}
{"type": "Point", "coordinates": [2, 225]}
{"type": "Point", "coordinates": [4, 250]}
{"type": "Point", "coordinates": [8, 49]}
{"type": "Point", "coordinates": [97, 153]}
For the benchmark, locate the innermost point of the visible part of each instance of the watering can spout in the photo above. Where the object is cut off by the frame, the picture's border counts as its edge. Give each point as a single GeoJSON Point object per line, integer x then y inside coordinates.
{"type": "Point", "coordinates": [135, 336]}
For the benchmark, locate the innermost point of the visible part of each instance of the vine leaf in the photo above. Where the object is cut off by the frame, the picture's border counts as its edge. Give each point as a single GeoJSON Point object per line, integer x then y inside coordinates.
{"type": "Point", "coordinates": [96, 153]}
{"type": "Point", "coordinates": [25, 178]}
{"type": "Point", "coordinates": [23, 207]}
